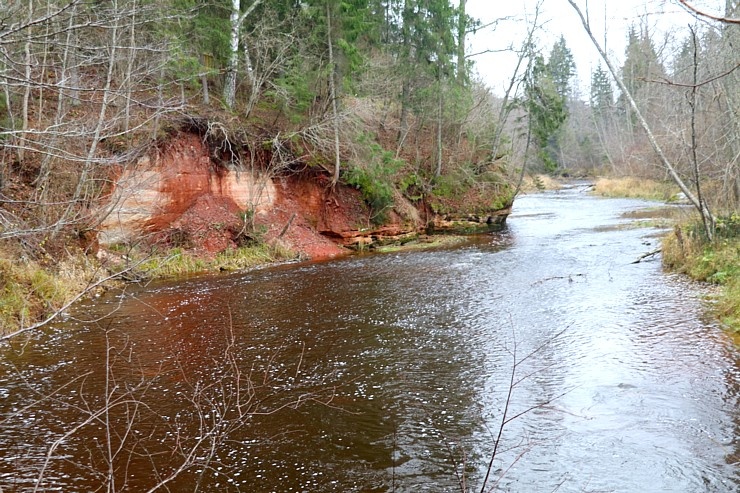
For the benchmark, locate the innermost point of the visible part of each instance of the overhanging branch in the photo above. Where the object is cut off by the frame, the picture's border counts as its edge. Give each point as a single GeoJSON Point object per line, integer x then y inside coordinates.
{"type": "Point", "coordinates": [691, 8]}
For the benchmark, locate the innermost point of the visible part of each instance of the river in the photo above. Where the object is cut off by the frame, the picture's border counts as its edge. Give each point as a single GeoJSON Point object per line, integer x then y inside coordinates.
{"type": "Point", "coordinates": [392, 372]}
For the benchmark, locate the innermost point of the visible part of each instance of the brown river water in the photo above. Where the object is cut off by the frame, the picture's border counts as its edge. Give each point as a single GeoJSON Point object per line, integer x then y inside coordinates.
{"type": "Point", "coordinates": [391, 372]}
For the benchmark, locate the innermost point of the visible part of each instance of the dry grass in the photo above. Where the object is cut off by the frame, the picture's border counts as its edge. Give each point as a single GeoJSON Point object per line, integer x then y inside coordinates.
{"type": "Point", "coordinates": [32, 292]}
{"type": "Point", "coordinates": [539, 183]}
{"type": "Point", "coordinates": [638, 188]}
{"type": "Point", "coordinates": [177, 262]}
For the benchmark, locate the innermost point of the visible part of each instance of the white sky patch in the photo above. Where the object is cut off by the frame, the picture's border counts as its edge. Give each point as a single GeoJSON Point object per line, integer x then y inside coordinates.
{"type": "Point", "coordinates": [666, 19]}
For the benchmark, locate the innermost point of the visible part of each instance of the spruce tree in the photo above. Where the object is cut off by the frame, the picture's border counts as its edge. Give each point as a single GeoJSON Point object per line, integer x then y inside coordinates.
{"type": "Point", "coordinates": [546, 110]}
{"type": "Point", "coordinates": [602, 94]}
{"type": "Point", "coordinates": [562, 68]}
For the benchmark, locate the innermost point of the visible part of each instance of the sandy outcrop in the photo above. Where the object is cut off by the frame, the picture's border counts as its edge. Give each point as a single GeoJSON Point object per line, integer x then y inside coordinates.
{"type": "Point", "coordinates": [180, 198]}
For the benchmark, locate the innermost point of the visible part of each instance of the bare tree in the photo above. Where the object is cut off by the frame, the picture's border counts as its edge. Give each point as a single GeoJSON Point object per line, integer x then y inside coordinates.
{"type": "Point", "coordinates": [700, 205]}
{"type": "Point", "coordinates": [95, 122]}
{"type": "Point", "coordinates": [523, 53]}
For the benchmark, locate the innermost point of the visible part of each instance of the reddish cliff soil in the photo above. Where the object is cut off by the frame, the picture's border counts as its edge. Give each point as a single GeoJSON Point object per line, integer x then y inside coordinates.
{"type": "Point", "coordinates": [306, 212]}
{"type": "Point", "coordinates": [180, 198]}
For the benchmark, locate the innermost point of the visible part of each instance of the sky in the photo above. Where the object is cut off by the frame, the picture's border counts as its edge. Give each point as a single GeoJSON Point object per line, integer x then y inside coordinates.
{"type": "Point", "coordinates": [666, 18]}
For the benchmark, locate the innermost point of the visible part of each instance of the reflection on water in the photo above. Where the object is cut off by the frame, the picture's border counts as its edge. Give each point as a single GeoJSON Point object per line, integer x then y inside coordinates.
{"type": "Point", "coordinates": [391, 373]}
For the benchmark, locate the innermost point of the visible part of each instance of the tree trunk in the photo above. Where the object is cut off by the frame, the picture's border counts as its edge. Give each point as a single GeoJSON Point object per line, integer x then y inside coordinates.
{"type": "Point", "coordinates": [333, 96]}
{"type": "Point", "coordinates": [80, 194]}
{"type": "Point", "coordinates": [440, 101]}
{"type": "Point", "coordinates": [505, 109]}
{"type": "Point", "coordinates": [27, 89]}
{"type": "Point", "coordinates": [233, 64]}
{"type": "Point", "coordinates": [462, 28]}
{"type": "Point", "coordinates": [236, 19]}
{"type": "Point", "coordinates": [707, 221]}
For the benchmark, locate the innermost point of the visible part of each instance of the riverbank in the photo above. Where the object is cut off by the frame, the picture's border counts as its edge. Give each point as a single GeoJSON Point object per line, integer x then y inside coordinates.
{"type": "Point", "coordinates": [36, 292]}
{"type": "Point", "coordinates": [685, 249]}
{"type": "Point", "coordinates": [179, 207]}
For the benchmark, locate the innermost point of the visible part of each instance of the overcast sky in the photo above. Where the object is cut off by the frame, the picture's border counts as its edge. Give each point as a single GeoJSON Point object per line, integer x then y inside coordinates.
{"type": "Point", "coordinates": [666, 18]}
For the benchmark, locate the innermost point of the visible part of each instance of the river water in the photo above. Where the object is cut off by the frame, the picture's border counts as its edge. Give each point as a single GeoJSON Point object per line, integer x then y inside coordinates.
{"type": "Point", "coordinates": [392, 372]}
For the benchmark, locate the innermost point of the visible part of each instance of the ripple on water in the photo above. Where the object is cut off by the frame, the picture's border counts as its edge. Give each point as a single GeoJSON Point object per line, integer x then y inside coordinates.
{"type": "Point", "coordinates": [621, 383]}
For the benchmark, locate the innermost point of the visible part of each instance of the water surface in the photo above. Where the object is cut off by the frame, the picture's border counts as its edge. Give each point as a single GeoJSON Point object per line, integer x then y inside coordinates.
{"type": "Point", "coordinates": [392, 372]}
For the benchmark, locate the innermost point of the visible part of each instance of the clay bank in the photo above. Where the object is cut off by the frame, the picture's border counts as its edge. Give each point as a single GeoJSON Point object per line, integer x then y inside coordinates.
{"type": "Point", "coordinates": [189, 193]}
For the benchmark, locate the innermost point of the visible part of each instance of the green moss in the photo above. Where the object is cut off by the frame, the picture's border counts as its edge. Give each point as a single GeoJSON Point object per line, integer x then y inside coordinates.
{"type": "Point", "coordinates": [424, 243]}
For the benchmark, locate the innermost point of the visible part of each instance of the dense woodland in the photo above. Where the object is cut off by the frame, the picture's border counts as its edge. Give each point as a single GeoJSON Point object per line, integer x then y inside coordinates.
{"type": "Point", "coordinates": [382, 94]}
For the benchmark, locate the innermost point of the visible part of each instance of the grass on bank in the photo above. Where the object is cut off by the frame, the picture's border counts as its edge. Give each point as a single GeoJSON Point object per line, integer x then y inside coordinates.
{"type": "Point", "coordinates": [178, 262]}
{"type": "Point", "coordinates": [32, 292]}
{"type": "Point", "coordinates": [686, 250]}
{"type": "Point", "coordinates": [540, 183]}
{"type": "Point", "coordinates": [423, 243]}
{"type": "Point", "coordinates": [636, 188]}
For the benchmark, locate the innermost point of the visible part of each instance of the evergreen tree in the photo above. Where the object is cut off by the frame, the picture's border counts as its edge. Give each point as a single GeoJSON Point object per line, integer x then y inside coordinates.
{"type": "Point", "coordinates": [602, 94]}
{"type": "Point", "coordinates": [641, 64]}
{"type": "Point", "coordinates": [546, 109]}
{"type": "Point", "coordinates": [425, 54]}
{"type": "Point", "coordinates": [562, 68]}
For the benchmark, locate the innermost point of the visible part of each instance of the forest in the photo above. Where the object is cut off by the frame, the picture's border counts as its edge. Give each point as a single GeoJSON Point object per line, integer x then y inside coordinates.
{"type": "Point", "coordinates": [381, 96]}
{"type": "Point", "coordinates": [154, 154]}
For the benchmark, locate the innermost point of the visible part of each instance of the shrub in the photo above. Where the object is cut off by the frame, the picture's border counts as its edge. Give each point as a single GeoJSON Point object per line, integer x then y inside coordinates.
{"type": "Point", "coordinates": [375, 180]}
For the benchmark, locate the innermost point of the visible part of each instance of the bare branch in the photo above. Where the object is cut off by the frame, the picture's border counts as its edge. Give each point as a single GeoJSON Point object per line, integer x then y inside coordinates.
{"type": "Point", "coordinates": [714, 17]}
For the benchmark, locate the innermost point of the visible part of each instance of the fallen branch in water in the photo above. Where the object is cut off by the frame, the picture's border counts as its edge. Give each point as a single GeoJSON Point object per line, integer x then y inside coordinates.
{"type": "Point", "coordinates": [554, 278]}
{"type": "Point", "coordinates": [646, 255]}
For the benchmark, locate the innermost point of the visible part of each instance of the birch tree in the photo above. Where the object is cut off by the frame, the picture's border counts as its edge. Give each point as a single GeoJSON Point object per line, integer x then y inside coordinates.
{"type": "Point", "coordinates": [239, 14]}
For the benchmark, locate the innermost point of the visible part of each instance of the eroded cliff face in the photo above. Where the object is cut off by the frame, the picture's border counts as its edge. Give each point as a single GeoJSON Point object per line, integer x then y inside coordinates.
{"type": "Point", "coordinates": [179, 197]}
{"type": "Point", "coordinates": [178, 191]}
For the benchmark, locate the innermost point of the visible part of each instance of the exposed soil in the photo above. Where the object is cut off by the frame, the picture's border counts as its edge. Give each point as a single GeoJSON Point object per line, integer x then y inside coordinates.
{"type": "Point", "coordinates": [183, 199]}
{"type": "Point", "coordinates": [302, 211]}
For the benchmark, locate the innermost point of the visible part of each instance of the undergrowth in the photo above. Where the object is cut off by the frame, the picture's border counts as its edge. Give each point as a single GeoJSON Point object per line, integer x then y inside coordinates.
{"type": "Point", "coordinates": [375, 179]}
{"type": "Point", "coordinates": [687, 250]}
{"type": "Point", "coordinates": [464, 191]}
{"type": "Point", "coordinates": [31, 292]}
